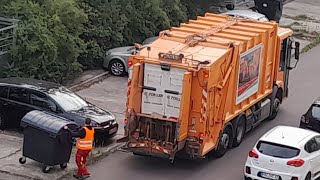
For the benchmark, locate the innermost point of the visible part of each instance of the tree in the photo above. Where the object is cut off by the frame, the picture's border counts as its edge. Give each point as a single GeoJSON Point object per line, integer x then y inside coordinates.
{"type": "Point", "coordinates": [175, 11]}
{"type": "Point", "coordinates": [48, 42]}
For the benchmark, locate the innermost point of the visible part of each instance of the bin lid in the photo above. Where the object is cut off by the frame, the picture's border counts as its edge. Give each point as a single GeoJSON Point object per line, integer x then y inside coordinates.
{"type": "Point", "coordinates": [45, 121]}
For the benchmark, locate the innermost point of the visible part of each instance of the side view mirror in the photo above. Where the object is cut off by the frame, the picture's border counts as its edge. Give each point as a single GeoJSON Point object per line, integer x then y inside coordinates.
{"type": "Point", "coordinates": [53, 108]}
{"type": "Point", "coordinates": [294, 61]}
{"type": "Point", "coordinates": [297, 51]}
{"type": "Point", "coordinates": [137, 46]}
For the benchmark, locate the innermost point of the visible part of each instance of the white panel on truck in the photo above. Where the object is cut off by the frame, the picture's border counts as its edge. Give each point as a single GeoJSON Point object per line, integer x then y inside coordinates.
{"type": "Point", "coordinates": [162, 90]}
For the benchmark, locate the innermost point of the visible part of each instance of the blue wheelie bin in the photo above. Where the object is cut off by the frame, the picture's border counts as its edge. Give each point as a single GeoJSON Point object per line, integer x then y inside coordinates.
{"type": "Point", "coordinates": [45, 139]}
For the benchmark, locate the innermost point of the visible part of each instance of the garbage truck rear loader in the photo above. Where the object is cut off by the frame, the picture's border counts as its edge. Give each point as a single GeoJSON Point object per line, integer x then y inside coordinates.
{"type": "Point", "coordinates": [201, 86]}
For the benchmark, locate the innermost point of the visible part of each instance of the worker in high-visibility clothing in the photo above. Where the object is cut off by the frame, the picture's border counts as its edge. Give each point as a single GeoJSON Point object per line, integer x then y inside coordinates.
{"type": "Point", "coordinates": [84, 145]}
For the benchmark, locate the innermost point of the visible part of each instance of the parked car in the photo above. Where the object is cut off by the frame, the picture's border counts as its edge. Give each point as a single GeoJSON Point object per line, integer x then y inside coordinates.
{"type": "Point", "coordinates": [116, 59]}
{"type": "Point", "coordinates": [18, 96]}
{"type": "Point", "coordinates": [311, 119]}
{"type": "Point", "coordinates": [285, 153]}
{"type": "Point", "coordinates": [249, 14]}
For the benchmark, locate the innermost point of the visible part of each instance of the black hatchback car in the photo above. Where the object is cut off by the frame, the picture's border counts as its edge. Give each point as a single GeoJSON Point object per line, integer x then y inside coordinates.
{"type": "Point", "coordinates": [311, 119]}
{"type": "Point", "coordinates": [18, 96]}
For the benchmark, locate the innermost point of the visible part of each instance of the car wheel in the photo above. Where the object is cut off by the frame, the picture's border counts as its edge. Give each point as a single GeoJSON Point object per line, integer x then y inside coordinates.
{"type": "Point", "coordinates": [224, 142]}
{"type": "Point", "coordinates": [117, 68]}
{"type": "Point", "coordinates": [240, 131]}
{"type": "Point", "coordinates": [2, 122]}
{"type": "Point", "coordinates": [275, 108]}
{"type": "Point", "coordinates": [230, 6]}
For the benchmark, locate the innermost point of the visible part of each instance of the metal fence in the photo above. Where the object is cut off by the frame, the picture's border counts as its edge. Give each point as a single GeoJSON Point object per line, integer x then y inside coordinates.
{"type": "Point", "coordinates": [7, 34]}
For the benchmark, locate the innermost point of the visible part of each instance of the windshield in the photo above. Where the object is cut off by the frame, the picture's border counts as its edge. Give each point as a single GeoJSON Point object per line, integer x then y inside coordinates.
{"type": "Point", "coordinates": [68, 101]}
{"type": "Point", "coordinates": [315, 111]}
{"type": "Point", "coordinates": [277, 150]}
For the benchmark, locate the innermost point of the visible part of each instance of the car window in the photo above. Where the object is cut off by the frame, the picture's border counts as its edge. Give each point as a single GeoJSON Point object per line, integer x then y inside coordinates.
{"type": "Point", "coordinates": [277, 150]}
{"type": "Point", "coordinates": [68, 101]}
{"type": "Point", "coordinates": [41, 100]}
{"type": "Point", "coordinates": [312, 146]}
{"type": "Point", "coordinates": [18, 94]}
{"type": "Point", "coordinates": [4, 91]}
{"type": "Point", "coordinates": [315, 111]}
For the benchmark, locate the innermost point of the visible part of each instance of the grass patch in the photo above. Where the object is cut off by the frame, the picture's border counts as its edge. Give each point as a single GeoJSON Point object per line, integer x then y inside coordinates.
{"type": "Point", "coordinates": [314, 43]}
{"type": "Point", "coordinates": [302, 17]}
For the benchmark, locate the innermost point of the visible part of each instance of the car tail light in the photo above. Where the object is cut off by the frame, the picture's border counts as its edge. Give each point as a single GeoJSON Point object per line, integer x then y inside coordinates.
{"type": "Point", "coordinates": [126, 121]}
{"type": "Point", "coordinates": [248, 170]}
{"type": "Point", "coordinates": [294, 178]}
{"type": "Point", "coordinates": [253, 154]}
{"type": "Point", "coordinates": [296, 162]}
{"type": "Point", "coordinates": [201, 136]}
{"type": "Point", "coordinates": [130, 63]}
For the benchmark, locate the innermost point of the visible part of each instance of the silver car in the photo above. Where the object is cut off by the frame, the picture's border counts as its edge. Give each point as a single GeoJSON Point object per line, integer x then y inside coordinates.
{"type": "Point", "coordinates": [247, 14]}
{"type": "Point", "coordinates": [116, 59]}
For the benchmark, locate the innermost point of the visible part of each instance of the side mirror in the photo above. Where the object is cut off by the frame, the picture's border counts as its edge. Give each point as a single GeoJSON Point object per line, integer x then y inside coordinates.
{"type": "Point", "coordinates": [137, 46]}
{"type": "Point", "coordinates": [53, 108]}
{"type": "Point", "coordinates": [294, 61]}
{"type": "Point", "coordinates": [297, 51]}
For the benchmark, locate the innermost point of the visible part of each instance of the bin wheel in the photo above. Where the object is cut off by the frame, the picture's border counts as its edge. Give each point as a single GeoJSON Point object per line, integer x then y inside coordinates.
{"type": "Point", "coordinates": [46, 169]}
{"type": "Point", "coordinates": [22, 160]}
{"type": "Point", "coordinates": [64, 165]}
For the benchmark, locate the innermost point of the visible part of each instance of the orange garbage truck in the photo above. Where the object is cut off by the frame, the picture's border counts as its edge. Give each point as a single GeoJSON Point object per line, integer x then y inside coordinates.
{"type": "Point", "coordinates": [200, 87]}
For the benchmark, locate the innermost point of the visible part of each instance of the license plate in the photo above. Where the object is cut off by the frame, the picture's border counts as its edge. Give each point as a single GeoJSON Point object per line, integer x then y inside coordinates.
{"type": "Point", "coordinates": [269, 176]}
{"type": "Point", "coordinates": [113, 130]}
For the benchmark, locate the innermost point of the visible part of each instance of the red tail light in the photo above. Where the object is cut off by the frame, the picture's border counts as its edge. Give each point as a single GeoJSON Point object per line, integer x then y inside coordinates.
{"type": "Point", "coordinates": [126, 121]}
{"type": "Point", "coordinates": [201, 135]}
{"type": "Point", "coordinates": [130, 63]}
{"type": "Point", "coordinates": [253, 154]}
{"type": "Point", "coordinates": [296, 162]}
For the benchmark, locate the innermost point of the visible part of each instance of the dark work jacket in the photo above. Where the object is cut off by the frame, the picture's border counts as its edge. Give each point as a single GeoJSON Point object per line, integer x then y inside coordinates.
{"type": "Point", "coordinates": [81, 133]}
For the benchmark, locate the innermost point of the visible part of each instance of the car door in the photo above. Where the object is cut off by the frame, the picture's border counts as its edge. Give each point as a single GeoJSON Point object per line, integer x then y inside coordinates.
{"type": "Point", "coordinates": [317, 161]}
{"type": "Point", "coordinates": [312, 148]}
{"type": "Point", "coordinates": [18, 104]}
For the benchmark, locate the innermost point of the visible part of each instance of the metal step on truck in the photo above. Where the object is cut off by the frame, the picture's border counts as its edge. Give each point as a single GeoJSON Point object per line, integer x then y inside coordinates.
{"type": "Point", "coordinates": [200, 87]}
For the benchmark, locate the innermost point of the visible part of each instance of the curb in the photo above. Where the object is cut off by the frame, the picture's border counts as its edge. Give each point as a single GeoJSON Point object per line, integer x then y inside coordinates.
{"type": "Point", "coordinates": [94, 158]}
{"type": "Point", "coordinates": [89, 82]}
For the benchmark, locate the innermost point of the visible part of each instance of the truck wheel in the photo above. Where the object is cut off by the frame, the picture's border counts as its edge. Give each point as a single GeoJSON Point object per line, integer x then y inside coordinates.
{"type": "Point", "coordinates": [224, 143]}
{"type": "Point", "coordinates": [240, 131]}
{"type": "Point", "coordinates": [275, 108]}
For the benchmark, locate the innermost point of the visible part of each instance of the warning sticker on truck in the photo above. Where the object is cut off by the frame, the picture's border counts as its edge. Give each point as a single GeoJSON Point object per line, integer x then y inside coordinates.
{"type": "Point", "coordinates": [249, 70]}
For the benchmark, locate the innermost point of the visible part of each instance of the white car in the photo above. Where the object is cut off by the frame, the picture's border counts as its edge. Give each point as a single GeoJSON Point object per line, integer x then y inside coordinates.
{"type": "Point", "coordinates": [285, 153]}
{"type": "Point", "coordinates": [248, 14]}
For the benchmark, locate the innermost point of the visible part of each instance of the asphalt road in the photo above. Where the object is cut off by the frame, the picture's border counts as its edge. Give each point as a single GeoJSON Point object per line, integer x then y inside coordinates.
{"type": "Point", "coordinates": [304, 88]}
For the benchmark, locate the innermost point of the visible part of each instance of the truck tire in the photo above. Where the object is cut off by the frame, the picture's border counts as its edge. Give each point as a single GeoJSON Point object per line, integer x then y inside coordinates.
{"type": "Point", "coordinates": [230, 6]}
{"type": "Point", "coordinates": [275, 108]}
{"type": "Point", "coordinates": [224, 142]}
{"type": "Point", "coordinates": [240, 131]}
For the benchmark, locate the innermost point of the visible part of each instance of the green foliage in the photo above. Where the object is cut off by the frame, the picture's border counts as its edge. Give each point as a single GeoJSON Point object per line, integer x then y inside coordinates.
{"type": "Point", "coordinates": [48, 42]}
{"type": "Point", "coordinates": [57, 39]}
